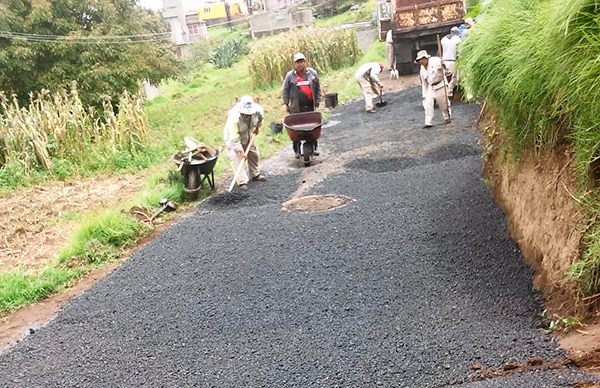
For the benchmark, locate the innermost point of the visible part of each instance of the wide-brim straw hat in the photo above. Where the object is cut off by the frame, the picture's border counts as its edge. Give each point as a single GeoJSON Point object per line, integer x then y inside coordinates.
{"type": "Point", "coordinates": [422, 54]}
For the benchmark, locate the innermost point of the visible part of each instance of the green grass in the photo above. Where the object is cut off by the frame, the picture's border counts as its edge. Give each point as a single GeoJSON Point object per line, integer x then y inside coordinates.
{"type": "Point", "coordinates": [364, 14]}
{"type": "Point", "coordinates": [222, 33]}
{"type": "Point", "coordinates": [19, 287]}
{"type": "Point", "coordinates": [543, 83]}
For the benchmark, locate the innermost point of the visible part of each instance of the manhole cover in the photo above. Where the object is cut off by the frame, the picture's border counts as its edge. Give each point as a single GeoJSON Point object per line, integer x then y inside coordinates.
{"type": "Point", "coordinates": [317, 203]}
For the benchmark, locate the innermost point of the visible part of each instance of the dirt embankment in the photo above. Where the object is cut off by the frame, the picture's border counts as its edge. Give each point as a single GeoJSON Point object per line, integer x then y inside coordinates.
{"type": "Point", "coordinates": [536, 194]}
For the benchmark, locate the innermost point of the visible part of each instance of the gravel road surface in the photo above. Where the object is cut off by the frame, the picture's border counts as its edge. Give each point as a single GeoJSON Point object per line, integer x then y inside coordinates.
{"type": "Point", "coordinates": [409, 285]}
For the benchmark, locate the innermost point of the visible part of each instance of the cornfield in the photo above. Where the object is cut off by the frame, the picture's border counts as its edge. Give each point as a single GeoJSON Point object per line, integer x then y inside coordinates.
{"type": "Point", "coordinates": [325, 49]}
{"type": "Point", "coordinates": [59, 126]}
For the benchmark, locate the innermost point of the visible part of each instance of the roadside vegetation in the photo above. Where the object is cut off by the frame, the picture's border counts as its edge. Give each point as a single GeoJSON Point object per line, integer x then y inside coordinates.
{"type": "Point", "coordinates": [346, 16]}
{"type": "Point", "coordinates": [194, 104]}
{"type": "Point", "coordinates": [535, 62]}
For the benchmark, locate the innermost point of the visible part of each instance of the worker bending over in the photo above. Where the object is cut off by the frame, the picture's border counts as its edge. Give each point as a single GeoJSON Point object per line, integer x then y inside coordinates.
{"type": "Point", "coordinates": [243, 120]}
{"type": "Point", "coordinates": [367, 77]}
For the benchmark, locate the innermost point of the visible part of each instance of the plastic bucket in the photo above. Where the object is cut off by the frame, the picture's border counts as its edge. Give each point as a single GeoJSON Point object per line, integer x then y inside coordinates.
{"type": "Point", "coordinates": [331, 100]}
{"type": "Point", "coordinates": [276, 128]}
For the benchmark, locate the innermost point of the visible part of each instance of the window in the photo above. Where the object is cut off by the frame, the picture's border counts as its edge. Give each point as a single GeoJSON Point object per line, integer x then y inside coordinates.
{"type": "Point", "coordinates": [193, 29]}
{"type": "Point", "coordinates": [207, 9]}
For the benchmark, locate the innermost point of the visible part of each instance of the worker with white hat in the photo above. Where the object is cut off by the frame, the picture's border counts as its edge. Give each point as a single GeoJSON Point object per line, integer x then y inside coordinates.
{"type": "Point", "coordinates": [449, 50]}
{"type": "Point", "coordinates": [367, 77]}
{"type": "Point", "coordinates": [301, 90]}
{"type": "Point", "coordinates": [469, 23]}
{"type": "Point", "coordinates": [432, 81]}
{"type": "Point", "coordinates": [243, 120]}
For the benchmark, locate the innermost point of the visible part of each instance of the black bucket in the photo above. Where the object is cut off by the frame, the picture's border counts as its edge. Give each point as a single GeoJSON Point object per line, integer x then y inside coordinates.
{"type": "Point", "coordinates": [331, 100]}
{"type": "Point", "coordinates": [276, 128]}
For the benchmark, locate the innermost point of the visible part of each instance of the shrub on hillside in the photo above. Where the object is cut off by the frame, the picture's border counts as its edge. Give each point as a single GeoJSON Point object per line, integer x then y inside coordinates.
{"type": "Point", "coordinates": [228, 53]}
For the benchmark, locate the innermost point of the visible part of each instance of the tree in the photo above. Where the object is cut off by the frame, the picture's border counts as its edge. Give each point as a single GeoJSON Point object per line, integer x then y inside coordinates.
{"type": "Point", "coordinates": [100, 69]}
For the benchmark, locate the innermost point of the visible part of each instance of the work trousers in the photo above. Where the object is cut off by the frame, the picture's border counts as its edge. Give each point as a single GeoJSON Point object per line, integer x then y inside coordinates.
{"type": "Point", "coordinates": [391, 59]}
{"type": "Point", "coordinates": [451, 71]}
{"type": "Point", "coordinates": [431, 98]}
{"type": "Point", "coordinates": [369, 92]}
{"type": "Point", "coordinates": [236, 158]}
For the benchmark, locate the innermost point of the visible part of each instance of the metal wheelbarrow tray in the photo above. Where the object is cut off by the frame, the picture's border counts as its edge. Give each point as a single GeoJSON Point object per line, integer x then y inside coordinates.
{"type": "Point", "coordinates": [196, 170]}
{"type": "Point", "coordinates": [303, 126]}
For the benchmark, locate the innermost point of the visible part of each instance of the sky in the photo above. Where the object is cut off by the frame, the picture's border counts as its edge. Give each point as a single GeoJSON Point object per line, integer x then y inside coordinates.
{"type": "Point", "coordinates": [157, 4]}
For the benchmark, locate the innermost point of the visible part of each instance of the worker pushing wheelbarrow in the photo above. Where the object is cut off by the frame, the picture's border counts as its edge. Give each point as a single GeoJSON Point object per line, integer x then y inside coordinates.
{"type": "Point", "coordinates": [302, 96]}
{"type": "Point", "coordinates": [304, 129]}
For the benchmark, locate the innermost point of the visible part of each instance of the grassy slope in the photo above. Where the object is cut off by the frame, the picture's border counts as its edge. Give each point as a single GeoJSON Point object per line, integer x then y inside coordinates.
{"type": "Point", "coordinates": [198, 109]}
{"type": "Point", "coordinates": [544, 84]}
{"type": "Point", "coordinates": [362, 15]}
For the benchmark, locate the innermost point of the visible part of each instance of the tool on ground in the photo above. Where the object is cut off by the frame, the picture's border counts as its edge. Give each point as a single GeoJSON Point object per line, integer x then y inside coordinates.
{"type": "Point", "coordinates": [381, 103]}
{"type": "Point", "coordinates": [239, 169]}
{"type": "Point", "coordinates": [165, 205]}
{"type": "Point", "coordinates": [443, 74]}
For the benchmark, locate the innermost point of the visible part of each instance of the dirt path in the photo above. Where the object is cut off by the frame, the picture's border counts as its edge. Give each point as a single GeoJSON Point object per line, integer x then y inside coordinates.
{"type": "Point", "coordinates": [409, 280]}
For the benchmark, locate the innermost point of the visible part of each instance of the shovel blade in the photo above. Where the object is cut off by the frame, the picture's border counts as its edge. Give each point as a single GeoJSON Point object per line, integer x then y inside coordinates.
{"type": "Point", "coordinates": [381, 104]}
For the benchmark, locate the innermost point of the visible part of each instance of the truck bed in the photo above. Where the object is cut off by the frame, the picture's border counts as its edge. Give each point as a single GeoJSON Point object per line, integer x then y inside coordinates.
{"type": "Point", "coordinates": [417, 14]}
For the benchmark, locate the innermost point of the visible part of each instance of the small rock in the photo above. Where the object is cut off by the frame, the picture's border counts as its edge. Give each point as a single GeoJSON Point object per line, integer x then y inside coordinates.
{"type": "Point", "coordinates": [447, 366]}
{"type": "Point", "coordinates": [535, 361]}
{"type": "Point", "coordinates": [508, 367]}
{"type": "Point", "coordinates": [477, 367]}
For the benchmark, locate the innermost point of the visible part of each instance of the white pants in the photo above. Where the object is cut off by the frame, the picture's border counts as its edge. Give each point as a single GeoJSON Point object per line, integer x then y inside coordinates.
{"type": "Point", "coordinates": [431, 98]}
{"type": "Point", "coordinates": [451, 70]}
{"type": "Point", "coordinates": [391, 60]}
{"type": "Point", "coordinates": [368, 93]}
{"type": "Point", "coordinates": [235, 157]}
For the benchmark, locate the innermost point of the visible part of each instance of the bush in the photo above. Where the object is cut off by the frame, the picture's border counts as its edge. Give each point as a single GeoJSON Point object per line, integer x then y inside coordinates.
{"type": "Point", "coordinates": [228, 53]}
{"type": "Point", "coordinates": [325, 50]}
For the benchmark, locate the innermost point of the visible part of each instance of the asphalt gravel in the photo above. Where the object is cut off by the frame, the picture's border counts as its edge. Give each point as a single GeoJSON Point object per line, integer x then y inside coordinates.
{"type": "Point", "coordinates": [408, 286]}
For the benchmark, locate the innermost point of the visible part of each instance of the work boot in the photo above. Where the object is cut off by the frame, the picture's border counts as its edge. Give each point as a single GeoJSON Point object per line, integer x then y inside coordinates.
{"type": "Point", "coordinates": [427, 126]}
{"type": "Point", "coordinates": [244, 186]}
{"type": "Point", "coordinates": [371, 111]}
{"type": "Point", "coordinates": [259, 177]}
{"type": "Point", "coordinates": [448, 121]}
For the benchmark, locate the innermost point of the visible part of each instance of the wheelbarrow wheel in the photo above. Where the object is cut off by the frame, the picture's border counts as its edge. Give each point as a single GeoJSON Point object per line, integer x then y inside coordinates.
{"type": "Point", "coordinates": [307, 153]}
{"type": "Point", "coordinates": [193, 184]}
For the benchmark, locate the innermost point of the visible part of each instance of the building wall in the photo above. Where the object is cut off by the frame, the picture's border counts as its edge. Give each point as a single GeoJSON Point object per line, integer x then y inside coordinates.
{"type": "Point", "coordinates": [217, 10]}
{"type": "Point", "coordinates": [173, 13]}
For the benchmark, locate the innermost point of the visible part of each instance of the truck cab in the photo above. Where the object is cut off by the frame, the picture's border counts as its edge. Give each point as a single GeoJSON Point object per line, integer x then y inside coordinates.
{"type": "Point", "coordinates": [415, 25]}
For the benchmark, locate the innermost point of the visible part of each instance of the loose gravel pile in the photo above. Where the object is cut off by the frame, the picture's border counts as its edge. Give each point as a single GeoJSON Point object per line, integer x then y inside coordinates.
{"type": "Point", "coordinates": [408, 286]}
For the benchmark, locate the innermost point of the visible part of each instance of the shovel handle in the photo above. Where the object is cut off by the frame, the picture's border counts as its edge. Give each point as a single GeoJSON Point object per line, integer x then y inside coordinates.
{"type": "Point", "coordinates": [239, 169]}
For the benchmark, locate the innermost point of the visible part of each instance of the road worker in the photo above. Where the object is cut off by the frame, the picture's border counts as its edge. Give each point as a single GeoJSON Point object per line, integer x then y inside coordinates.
{"type": "Point", "coordinates": [469, 23]}
{"type": "Point", "coordinates": [449, 46]}
{"type": "Point", "coordinates": [389, 49]}
{"type": "Point", "coordinates": [301, 90]}
{"type": "Point", "coordinates": [244, 120]}
{"type": "Point", "coordinates": [367, 77]}
{"type": "Point", "coordinates": [432, 82]}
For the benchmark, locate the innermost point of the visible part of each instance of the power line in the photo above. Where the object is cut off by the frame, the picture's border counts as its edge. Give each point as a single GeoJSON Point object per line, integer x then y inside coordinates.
{"type": "Point", "coordinates": [100, 39]}
{"type": "Point", "coordinates": [83, 36]}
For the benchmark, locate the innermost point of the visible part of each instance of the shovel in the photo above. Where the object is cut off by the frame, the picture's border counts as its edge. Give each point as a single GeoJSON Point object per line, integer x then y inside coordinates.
{"type": "Point", "coordinates": [165, 205]}
{"type": "Point", "coordinates": [381, 103]}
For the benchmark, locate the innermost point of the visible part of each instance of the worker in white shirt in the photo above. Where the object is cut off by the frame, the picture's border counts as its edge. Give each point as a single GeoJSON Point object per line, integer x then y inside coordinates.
{"type": "Point", "coordinates": [367, 77]}
{"type": "Point", "coordinates": [432, 82]}
{"type": "Point", "coordinates": [389, 49]}
{"type": "Point", "coordinates": [464, 34]}
{"type": "Point", "coordinates": [449, 45]}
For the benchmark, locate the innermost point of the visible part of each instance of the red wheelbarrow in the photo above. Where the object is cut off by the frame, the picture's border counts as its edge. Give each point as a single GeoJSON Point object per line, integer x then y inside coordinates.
{"type": "Point", "coordinates": [304, 128]}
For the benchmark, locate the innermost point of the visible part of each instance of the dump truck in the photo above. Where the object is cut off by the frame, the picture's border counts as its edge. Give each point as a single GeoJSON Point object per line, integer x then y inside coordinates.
{"type": "Point", "coordinates": [415, 25]}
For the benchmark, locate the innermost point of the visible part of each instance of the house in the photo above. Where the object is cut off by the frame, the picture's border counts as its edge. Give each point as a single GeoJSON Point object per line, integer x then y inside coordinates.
{"type": "Point", "coordinates": [214, 12]}
{"type": "Point", "coordinates": [196, 26]}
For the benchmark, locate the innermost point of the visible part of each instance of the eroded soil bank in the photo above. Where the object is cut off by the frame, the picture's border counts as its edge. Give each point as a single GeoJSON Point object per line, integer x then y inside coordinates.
{"type": "Point", "coordinates": [536, 194]}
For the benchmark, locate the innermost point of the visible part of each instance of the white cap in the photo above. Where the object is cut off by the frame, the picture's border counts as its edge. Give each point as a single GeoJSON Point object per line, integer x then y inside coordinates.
{"type": "Point", "coordinates": [455, 30]}
{"type": "Point", "coordinates": [246, 105]}
{"type": "Point", "coordinates": [469, 21]}
{"type": "Point", "coordinates": [299, 56]}
{"type": "Point", "coordinates": [422, 54]}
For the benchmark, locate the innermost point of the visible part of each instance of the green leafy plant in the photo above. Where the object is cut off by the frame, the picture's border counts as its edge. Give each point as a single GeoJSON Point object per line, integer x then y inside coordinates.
{"type": "Point", "coordinates": [228, 53]}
